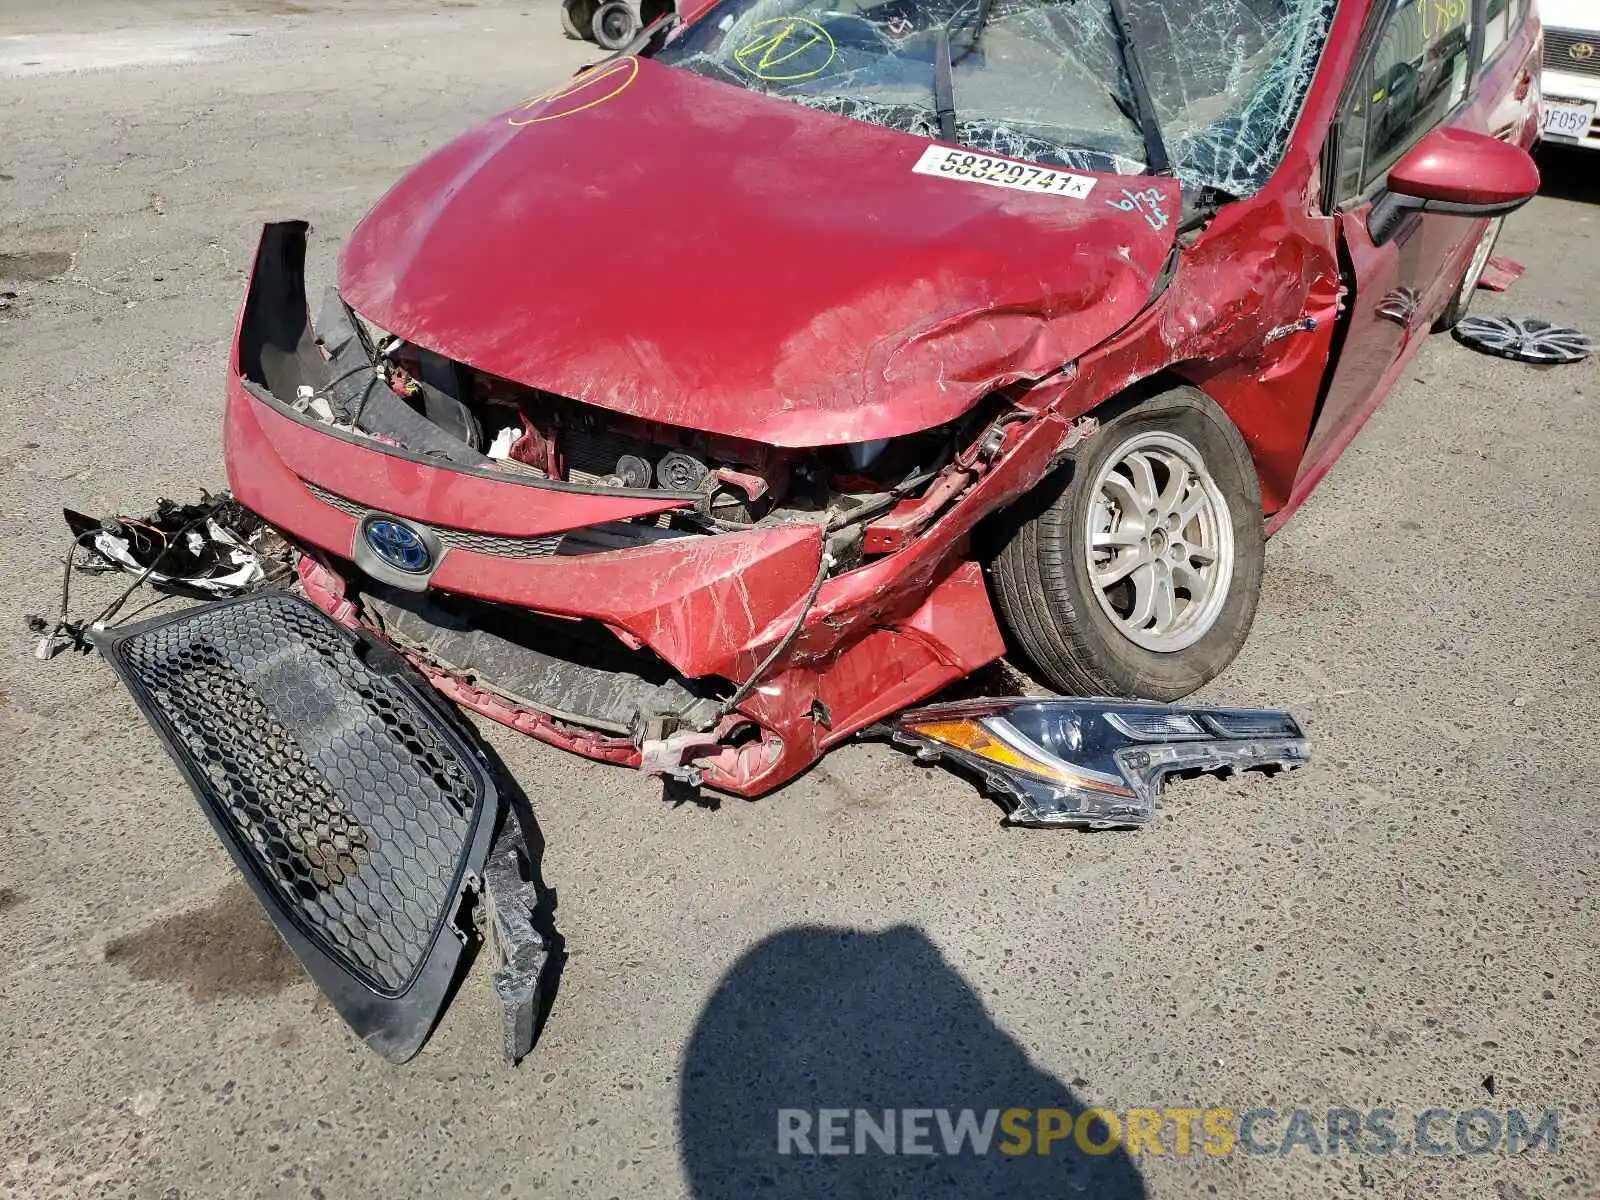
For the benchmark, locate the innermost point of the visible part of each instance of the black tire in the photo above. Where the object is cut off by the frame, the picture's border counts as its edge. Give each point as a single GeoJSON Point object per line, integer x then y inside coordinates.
{"type": "Point", "coordinates": [576, 18]}
{"type": "Point", "coordinates": [1461, 301]}
{"type": "Point", "coordinates": [1040, 575]}
{"type": "Point", "coordinates": [614, 24]}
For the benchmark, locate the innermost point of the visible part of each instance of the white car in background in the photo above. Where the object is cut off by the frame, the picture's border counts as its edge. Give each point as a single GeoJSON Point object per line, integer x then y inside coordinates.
{"type": "Point", "coordinates": [1571, 77]}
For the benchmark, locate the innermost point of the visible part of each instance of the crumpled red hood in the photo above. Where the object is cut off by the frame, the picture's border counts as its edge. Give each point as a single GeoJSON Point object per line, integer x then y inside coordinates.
{"type": "Point", "coordinates": [686, 251]}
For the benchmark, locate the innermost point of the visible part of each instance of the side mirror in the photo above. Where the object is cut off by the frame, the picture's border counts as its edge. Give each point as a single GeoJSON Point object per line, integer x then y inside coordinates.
{"type": "Point", "coordinates": [1457, 172]}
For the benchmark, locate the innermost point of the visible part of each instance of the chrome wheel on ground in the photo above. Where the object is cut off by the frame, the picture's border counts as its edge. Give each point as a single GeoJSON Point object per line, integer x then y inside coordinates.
{"type": "Point", "coordinates": [1159, 542]}
{"type": "Point", "coordinates": [1526, 339]}
{"type": "Point", "coordinates": [1134, 569]}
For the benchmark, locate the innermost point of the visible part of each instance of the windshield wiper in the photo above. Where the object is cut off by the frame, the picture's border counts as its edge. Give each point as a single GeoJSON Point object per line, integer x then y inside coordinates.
{"type": "Point", "coordinates": [1155, 149]}
{"type": "Point", "coordinates": [944, 87]}
{"type": "Point", "coordinates": [944, 91]}
{"type": "Point", "coordinates": [980, 22]}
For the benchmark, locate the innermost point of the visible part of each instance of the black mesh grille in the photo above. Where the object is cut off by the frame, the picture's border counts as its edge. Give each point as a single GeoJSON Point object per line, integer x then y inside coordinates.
{"type": "Point", "coordinates": [1572, 50]}
{"type": "Point", "coordinates": [501, 547]}
{"type": "Point", "coordinates": [334, 782]}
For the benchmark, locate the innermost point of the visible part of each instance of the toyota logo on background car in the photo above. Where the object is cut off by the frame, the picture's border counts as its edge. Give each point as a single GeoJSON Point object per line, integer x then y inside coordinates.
{"type": "Point", "coordinates": [1582, 51]}
{"type": "Point", "coordinates": [398, 545]}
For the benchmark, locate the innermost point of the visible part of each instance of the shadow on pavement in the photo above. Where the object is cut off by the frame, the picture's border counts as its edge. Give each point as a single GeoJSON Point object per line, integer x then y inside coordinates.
{"type": "Point", "coordinates": [1569, 173]}
{"type": "Point", "coordinates": [818, 1018]}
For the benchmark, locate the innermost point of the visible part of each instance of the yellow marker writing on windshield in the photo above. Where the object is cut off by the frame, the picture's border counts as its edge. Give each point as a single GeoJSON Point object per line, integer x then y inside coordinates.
{"type": "Point", "coordinates": [785, 49]}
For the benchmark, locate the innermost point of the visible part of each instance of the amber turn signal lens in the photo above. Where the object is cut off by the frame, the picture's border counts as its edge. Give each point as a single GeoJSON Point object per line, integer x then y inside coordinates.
{"type": "Point", "coordinates": [972, 737]}
{"type": "Point", "coordinates": [975, 739]}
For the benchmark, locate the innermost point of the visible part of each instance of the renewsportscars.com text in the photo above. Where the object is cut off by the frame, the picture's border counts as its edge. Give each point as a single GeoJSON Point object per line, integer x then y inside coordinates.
{"type": "Point", "coordinates": [1377, 1132]}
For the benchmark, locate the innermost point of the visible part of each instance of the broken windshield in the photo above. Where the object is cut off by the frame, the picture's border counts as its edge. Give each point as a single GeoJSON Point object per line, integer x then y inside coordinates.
{"type": "Point", "coordinates": [1040, 80]}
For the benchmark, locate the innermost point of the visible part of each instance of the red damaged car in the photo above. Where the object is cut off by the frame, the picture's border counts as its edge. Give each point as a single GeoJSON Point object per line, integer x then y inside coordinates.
{"type": "Point", "coordinates": [770, 377]}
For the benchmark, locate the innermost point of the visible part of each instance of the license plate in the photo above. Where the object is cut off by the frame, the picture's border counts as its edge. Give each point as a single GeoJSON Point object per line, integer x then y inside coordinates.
{"type": "Point", "coordinates": [1568, 119]}
{"type": "Point", "coordinates": [1001, 172]}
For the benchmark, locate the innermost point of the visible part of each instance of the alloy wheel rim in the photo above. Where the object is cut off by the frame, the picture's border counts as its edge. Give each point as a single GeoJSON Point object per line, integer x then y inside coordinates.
{"type": "Point", "coordinates": [1480, 257]}
{"type": "Point", "coordinates": [1159, 542]}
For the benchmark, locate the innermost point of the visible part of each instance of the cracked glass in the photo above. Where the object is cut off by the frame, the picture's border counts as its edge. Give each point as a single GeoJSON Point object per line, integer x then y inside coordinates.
{"type": "Point", "coordinates": [1039, 80]}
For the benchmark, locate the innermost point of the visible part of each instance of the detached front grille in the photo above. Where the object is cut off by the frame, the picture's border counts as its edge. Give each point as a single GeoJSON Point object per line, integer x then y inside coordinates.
{"type": "Point", "coordinates": [1575, 51]}
{"type": "Point", "coordinates": [340, 794]}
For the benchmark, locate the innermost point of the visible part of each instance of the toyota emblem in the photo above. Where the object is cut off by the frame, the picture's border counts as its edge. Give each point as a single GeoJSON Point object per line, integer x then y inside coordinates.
{"type": "Point", "coordinates": [397, 544]}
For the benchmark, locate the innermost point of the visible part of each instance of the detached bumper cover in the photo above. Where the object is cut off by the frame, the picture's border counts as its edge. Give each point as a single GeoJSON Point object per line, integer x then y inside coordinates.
{"type": "Point", "coordinates": [1093, 764]}
{"type": "Point", "coordinates": [355, 808]}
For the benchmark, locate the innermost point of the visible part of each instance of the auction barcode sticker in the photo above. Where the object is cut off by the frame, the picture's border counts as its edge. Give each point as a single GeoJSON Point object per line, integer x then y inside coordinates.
{"type": "Point", "coordinates": [954, 163]}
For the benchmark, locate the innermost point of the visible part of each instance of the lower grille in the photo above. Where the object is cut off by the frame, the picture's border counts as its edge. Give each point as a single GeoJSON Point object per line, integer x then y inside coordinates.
{"type": "Point", "coordinates": [1575, 51]}
{"type": "Point", "coordinates": [573, 670]}
{"type": "Point", "coordinates": [340, 786]}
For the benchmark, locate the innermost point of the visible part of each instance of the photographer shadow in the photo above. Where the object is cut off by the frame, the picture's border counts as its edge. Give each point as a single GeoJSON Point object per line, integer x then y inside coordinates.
{"type": "Point", "coordinates": [818, 1018]}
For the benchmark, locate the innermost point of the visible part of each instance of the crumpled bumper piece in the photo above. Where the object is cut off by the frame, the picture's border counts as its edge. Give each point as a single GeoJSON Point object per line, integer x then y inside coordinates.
{"type": "Point", "coordinates": [1092, 764]}
{"type": "Point", "coordinates": [519, 950]}
{"type": "Point", "coordinates": [349, 798]}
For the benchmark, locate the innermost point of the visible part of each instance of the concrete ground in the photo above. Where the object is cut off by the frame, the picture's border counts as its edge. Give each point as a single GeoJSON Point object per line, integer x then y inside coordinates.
{"type": "Point", "coordinates": [1406, 924]}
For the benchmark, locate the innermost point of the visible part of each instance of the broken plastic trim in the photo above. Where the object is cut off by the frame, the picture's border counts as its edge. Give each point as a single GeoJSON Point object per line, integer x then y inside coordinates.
{"type": "Point", "coordinates": [519, 951]}
{"type": "Point", "coordinates": [1092, 764]}
{"type": "Point", "coordinates": [210, 549]}
{"type": "Point", "coordinates": [213, 548]}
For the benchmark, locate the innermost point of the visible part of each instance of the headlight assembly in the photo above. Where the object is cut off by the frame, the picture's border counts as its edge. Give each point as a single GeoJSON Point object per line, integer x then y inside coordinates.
{"type": "Point", "coordinates": [1094, 764]}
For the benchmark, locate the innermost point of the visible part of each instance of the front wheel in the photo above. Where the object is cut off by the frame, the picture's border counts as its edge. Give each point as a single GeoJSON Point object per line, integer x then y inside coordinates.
{"type": "Point", "coordinates": [1461, 301]}
{"type": "Point", "coordinates": [1134, 570]}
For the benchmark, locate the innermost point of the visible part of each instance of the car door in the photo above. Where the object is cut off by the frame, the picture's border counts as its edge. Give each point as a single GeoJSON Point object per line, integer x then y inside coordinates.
{"type": "Point", "coordinates": [1414, 73]}
{"type": "Point", "coordinates": [1506, 67]}
{"type": "Point", "coordinates": [1506, 100]}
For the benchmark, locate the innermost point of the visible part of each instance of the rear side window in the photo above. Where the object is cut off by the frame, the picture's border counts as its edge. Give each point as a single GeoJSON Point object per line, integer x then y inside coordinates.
{"type": "Point", "coordinates": [1498, 17]}
{"type": "Point", "coordinates": [1416, 75]}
